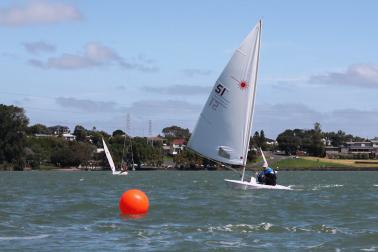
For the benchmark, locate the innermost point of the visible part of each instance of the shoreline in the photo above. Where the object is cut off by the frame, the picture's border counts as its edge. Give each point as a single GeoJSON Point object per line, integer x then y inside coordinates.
{"type": "Point", "coordinates": [331, 169]}
{"type": "Point", "coordinates": [71, 169]}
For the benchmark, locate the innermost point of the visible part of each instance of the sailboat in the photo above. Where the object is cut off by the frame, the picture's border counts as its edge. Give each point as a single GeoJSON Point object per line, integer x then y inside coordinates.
{"type": "Point", "coordinates": [223, 130]}
{"type": "Point", "coordinates": [111, 162]}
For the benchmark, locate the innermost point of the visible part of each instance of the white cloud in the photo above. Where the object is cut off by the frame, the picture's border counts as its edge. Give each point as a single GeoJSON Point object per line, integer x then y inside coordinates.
{"type": "Point", "coordinates": [111, 115]}
{"type": "Point", "coordinates": [143, 108]}
{"type": "Point", "coordinates": [94, 54]}
{"type": "Point", "coordinates": [86, 105]}
{"type": "Point", "coordinates": [274, 119]}
{"type": "Point", "coordinates": [185, 90]}
{"type": "Point", "coordinates": [361, 75]}
{"type": "Point", "coordinates": [8, 55]}
{"type": "Point", "coordinates": [38, 47]}
{"type": "Point", "coordinates": [167, 109]}
{"type": "Point", "coordinates": [38, 12]}
{"type": "Point", "coordinates": [192, 72]}
{"type": "Point", "coordinates": [36, 63]}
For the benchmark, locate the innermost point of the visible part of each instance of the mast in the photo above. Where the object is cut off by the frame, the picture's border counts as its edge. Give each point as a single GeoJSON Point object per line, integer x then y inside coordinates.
{"type": "Point", "coordinates": [123, 150]}
{"type": "Point", "coordinates": [249, 125]}
{"type": "Point", "coordinates": [124, 144]}
{"type": "Point", "coordinates": [132, 154]}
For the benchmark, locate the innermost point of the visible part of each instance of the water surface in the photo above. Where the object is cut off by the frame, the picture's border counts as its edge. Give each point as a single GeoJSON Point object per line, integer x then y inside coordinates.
{"type": "Point", "coordinates": [190, 211]}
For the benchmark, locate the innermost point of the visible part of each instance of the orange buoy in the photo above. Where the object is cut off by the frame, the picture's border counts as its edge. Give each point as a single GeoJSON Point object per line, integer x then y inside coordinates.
{"type": "Point", "coordinates": [134, 201]}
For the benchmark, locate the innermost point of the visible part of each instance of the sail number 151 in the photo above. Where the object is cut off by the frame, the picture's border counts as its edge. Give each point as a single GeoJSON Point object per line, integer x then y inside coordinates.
{"type": "Point", "coordinates": [220, 89]}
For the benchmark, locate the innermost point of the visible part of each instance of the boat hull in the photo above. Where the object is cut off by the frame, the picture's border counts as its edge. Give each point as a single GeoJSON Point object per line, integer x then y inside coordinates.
{"type": "Point", "coordinates": [245, 185]}
{"type": "Point", "coordinates": [120, 173]}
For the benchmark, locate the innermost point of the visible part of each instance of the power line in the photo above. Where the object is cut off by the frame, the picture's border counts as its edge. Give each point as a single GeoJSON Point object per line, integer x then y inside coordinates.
{"type": "Point", "coordinates": [52, 110]}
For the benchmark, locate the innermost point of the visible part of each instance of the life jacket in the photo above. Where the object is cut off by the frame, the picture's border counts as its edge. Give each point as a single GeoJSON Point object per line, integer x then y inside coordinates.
{"type": "Point", "coordinates": [267, 176]}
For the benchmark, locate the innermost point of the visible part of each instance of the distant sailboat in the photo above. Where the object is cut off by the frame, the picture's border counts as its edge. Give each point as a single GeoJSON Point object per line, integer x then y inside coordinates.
{"type": "Point", "coordinates": [223, 130]}
{"type": "Point", "coordinates": [110, 160]}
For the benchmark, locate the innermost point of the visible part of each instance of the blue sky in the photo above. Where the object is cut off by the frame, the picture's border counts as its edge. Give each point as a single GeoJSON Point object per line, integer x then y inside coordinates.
{"type": "Point", "coordinates": [93, 62]}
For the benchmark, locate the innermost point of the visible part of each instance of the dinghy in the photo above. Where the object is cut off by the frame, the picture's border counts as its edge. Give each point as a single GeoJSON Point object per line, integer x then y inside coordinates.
{"type": "Point", "coordinates": [111, 162]}
{"type": "Point", "coordinates": [223, 130]}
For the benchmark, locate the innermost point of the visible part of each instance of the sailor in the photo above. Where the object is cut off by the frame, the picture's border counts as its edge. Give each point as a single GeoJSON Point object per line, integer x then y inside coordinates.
{"type": "Point", "coordinates": [267, 176]}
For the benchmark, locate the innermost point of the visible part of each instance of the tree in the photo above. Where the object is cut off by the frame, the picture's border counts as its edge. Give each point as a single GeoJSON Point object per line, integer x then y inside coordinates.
{"type": "Point", "coordinates": [37, 129]}
{"type": "Point", "coordinates": [262, 140]}
{"type": "Point", "coordinates": [310, 141]}
{"type": "Point", "coordinates": [252, 155]}
{"type": "Point", "coordinates": [316, 147]}
{"type": "Point", "coordinates": [289, 142]}
{"type": "Point", "coordinates": [338, 138]}
{"type": "Point", "coordinates": [96, 138]}
{"type": "Point", "coordinates": [81, 133]}
{"type": "Point", "coordinates": [188, 159]}
{"type": "Point", "coordinates": [175, 132]}
{"type": "Point", "coordinates": [259, 140]}
{"type": "Point", "coordinates": [255, 139]}
{"type": "Point", "coordinates": [71, 153]}
{"type": "Point", "coordinates": [145, 153]}
{"type": "Point", "coordinates": [13, 124]}
{"type": "Point", "coordinates": [118, 132]}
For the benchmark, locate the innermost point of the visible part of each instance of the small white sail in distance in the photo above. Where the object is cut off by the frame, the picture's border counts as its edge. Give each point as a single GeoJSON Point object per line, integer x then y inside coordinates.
{"type": "Point", "coordinates": [109, 157]}
{"type": "Point", "coordinates": [223, 130]}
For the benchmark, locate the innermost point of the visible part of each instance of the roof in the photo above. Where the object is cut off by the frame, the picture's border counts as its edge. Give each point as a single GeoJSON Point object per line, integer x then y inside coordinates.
{"type": "Point", "coordinates": [358, 142]}
{"type": "Point", "coordinates": [68, 135]}
{"type": "Point", "coordinates": [332, 147]}
{"type": "Point", "coordinates": [179, 141]}
{"type": "Point", "coordinates": [155, 138]}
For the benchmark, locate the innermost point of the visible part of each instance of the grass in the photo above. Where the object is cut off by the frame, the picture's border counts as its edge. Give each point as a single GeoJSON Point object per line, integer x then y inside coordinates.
{"type": "Point", "coordinates": [304, 163]}
{"type": "Point", "coordinates": [346, 162]}
{"type": "Point", "coordinates": [168, 158]}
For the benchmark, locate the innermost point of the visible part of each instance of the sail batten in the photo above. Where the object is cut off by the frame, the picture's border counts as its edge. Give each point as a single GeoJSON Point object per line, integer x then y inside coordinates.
{"type": "Point", "coordinates": [223, 128]}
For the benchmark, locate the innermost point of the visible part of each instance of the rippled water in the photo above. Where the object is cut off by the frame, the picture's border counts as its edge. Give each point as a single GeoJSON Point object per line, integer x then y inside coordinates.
{"type": "Point", "coordinates": [190, 211]}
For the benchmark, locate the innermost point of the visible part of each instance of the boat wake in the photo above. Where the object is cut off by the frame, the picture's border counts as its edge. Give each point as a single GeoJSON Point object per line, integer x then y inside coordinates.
{"type": "Point", "coordinates": [33, 237]}
{"type": "Point", "coordinates": [318, 187]}
{"type": "Point", "coordinates": [373, 248]}
{"type": "Point", "coordinates": [269, 227]}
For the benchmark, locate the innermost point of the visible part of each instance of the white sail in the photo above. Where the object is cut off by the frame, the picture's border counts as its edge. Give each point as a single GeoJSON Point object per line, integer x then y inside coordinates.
{"type": "Point", "coordinates": [223, 130]}
{"type": "Point", "coordinates": [109, 156]}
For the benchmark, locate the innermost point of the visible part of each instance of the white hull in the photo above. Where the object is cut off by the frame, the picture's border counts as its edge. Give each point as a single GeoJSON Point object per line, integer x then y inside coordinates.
{"type": "Point", "coordinates": [120, 173]}
{"type": "Point", "coordinates": [244, 185]}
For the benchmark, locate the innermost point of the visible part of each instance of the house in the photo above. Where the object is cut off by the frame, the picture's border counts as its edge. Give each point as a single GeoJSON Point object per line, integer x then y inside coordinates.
{"type": "Point", "coordinates": [58, 130]}
{"type": "Point", "coordinates": [100, 150]}
{"type": "Point", "coordinates": [42, 135]}
{"type": "Point", "coordinates": [326, 141]}
{"type": "Point", "coordinates": [374, 141]}
{"type": "Point", "coordinates": [156, 139]}
{"type": "Point", "coordinates": [68, 137]}
{"type": "Point", "coordinates": [177, 145]}
{"type": "Point", "coordinates": [359, 147]}
{"type": "Point", "coordinates": [271, 142]}
{"type": "Point", "coordinates": [352, 150]}
{"type": "Point", "coordinates": [166, 149]}
{"type": "Point", "coordinates": [332, 152]}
